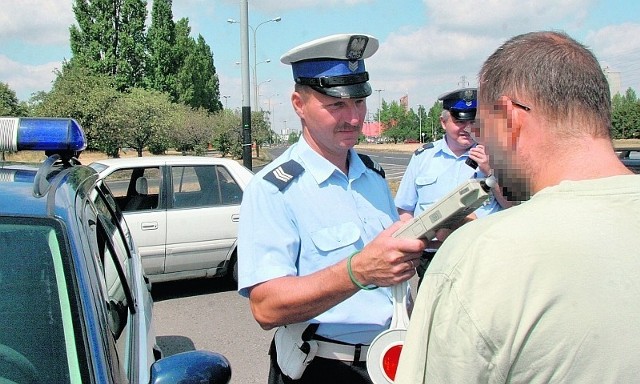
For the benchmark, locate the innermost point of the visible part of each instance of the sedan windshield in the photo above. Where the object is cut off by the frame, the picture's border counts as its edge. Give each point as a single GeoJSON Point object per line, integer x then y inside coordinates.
{"type": "Point", "coordinates": [36, 329]}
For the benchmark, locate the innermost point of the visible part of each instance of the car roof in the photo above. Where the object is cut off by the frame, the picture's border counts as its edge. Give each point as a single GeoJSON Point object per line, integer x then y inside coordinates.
{"type": "Point", "coordinates": [106, 166]}
{"type": "Point", "coordinates": [162, 160]}
{"type": "Point", "coordinates": [24, 194]}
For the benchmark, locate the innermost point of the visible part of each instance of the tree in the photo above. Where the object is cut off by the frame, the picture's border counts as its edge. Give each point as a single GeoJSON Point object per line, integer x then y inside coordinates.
{"type": "Point", "coordinates": [191, 130]}
{"type": "Point", "coordinates": [625, 115]}
{"type": "Point", "coordinates": [398, 123]}
{"type": "Point", "coordinates": [197, 83]}
{"type": "Point", "coordinates": [433, 121]}
{"type": "Point", "coordinates": [260, 130]}
{"type": "Point", "coordinates": [293, 138]}
{"type": "Point", "coordinates": [161, 38]}
{"type": "Point", "coordinates": [131, 56]}
{"type": "Point", "coordinates": [82, 95]}
{"type": "Point", "coordinates": [9, 104]}
{"type": "Point", "coordinates": [228, 132]}
{"type": "Point", "coordinates": [109, 39]}
{"type": "Point", "coordinates": [140, 118]}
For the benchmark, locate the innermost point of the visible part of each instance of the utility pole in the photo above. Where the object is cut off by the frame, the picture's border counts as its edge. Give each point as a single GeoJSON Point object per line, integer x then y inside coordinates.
{"type": "Point", "coordinates": [246, 89]}
{"type": "Point", "coordinates": [379, 106]}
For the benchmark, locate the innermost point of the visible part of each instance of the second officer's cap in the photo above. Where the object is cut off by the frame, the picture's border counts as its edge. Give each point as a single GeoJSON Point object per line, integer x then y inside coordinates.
{"type": "Point", "coordinates": [334, 65]}
{"type": "Point", "coordinates": [461, 103]}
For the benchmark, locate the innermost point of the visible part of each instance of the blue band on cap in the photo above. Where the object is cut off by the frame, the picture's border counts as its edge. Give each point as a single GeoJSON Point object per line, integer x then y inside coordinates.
{"type": "Point", "coordinates": [460, 104]}
{"type": "Point", "coordinates": [328, 68]}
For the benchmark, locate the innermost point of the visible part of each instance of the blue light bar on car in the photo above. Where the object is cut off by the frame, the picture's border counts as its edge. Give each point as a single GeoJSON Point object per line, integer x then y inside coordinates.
{"type": "Point", "coordinates": [41, 134]}
{"type": "Point", "coordinates": [12, 175]}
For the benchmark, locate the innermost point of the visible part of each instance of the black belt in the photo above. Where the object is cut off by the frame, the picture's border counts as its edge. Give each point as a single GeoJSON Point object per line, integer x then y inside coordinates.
{"type": "Point", "coordinates": [428, 255]}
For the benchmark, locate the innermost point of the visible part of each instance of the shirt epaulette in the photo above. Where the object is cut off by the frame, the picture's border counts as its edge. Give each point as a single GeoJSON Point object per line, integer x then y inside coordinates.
{"type": "Point", "coordinates": [424, 147]}
{"type": "Point", "coordinates": [284, 174]}
{"type": "Point", "coordinates": [371, 164]}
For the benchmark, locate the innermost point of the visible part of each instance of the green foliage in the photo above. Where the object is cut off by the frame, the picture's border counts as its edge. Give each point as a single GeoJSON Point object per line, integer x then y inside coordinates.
{"type": "Point", "coordinates": [80, 94]}
{"type": "Point", "coordinates": [399, 124]}
{"type": "Point", "coordinates": [161, 46]}
{"type": "Point", "coordinates": [293, 137]}
{"type": "Point", "coordinates": [191, 130]}
{"type": "Point", "coordinates": [432, 125]}
{"type": "Point", "coordinates": [138, 119]}
{"type": "Point", "coordinates": [228, 133]}
{"type": "Point", "coordinates": [9, 104]}
{"type": "Point", "coordinates": [196, 81]}
{"type": "Point", "coordinates": [260, 129]}
{"type": "Point", "coordinates": [109, 39]}
{"type": "Point", "coordinates": [625, 116]}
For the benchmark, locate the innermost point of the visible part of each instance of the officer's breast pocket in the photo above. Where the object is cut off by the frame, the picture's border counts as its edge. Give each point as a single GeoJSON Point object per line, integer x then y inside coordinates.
{"type": "Point", "coordinates": [427, 189]}
{"type": "Point", "coordinates": [339, 236]}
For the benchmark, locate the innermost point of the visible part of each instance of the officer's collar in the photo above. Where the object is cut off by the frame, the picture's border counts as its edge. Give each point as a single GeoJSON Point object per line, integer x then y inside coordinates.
{"type": "Point", "coordinates": [320, 168]}
{"type": "Point", "coordinates": [444, 148]}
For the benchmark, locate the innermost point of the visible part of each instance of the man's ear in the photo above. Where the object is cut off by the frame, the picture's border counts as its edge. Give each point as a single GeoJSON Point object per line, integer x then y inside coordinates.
{"type": "Point", "coordinates": [513, 117]}
{"type": "Point", "coordinates": [297, 100]}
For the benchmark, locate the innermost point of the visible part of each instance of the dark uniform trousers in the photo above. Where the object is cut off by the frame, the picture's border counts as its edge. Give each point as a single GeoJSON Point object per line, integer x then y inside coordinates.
{"type": "Point", "coordinates": [425, 260]}
{"type": "Point", "coordinates": [321, 371]}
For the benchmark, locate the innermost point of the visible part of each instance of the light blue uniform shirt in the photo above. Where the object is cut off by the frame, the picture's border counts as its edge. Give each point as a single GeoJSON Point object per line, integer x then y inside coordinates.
{"type": "Point", "coordinates": [433, 173]}
{"type": "Point", "coordinates": [320, 217]}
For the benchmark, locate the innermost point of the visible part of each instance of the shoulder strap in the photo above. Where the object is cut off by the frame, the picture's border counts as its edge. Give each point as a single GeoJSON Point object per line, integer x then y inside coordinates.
{"type": "Point", "coordinates": [423, 148]}
{"type": "Point", "coordinates": [371, 164]}
{"type": "Point", "coordinates": [284, 174]}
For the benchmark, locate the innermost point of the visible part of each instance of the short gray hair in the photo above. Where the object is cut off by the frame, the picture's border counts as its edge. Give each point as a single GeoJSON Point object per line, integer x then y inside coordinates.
{"type": "Point", "coordinates": [558, 76]}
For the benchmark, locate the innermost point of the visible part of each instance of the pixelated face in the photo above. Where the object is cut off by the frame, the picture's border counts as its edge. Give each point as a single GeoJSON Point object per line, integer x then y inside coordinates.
{"type": "Point", "coordinates": [332, 124]}
{"type": "Point", "coordinates": [496, 133]}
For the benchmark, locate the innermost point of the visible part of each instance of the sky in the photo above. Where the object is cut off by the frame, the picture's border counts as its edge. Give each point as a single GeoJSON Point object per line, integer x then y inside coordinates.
{"type": "Point", "coordinates": [427, 47]}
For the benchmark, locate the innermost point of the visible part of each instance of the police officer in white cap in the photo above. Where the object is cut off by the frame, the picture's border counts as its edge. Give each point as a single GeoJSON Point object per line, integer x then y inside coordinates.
{"type": "Point", "coordinates": [316, 255]}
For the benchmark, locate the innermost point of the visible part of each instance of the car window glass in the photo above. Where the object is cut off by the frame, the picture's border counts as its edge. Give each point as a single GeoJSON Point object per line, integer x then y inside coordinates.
{"type": "Point", "coordinates": [187, 190]}
{"type": "Point", "coordinates": [204, 186]}
{"type": "Point", "coordinates": [229, 189]}
{"type": "Point", "coordinates": [135, 189]}
{"type": "Point", "coordinates": [36, 316]}
{"type": "Point", "coordinates": [116, 274]}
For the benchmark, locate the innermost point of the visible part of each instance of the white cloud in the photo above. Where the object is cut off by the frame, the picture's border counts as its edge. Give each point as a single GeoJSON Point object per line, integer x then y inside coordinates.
{"type": "Point", "coordinates": [36, 21]}
{"type": "Point", "coordinates": [281, 6]}
{"type": "Point", "coordinates": [24, 79]}
{"type": "Point", "coordinates": [505, 17]}
{"type": "Point", "coordinates": [618, 48]}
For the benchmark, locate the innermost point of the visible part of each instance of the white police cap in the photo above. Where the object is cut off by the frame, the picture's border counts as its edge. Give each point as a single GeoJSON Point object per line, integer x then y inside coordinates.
{"type": "Point", "coordinates": [334, 65]}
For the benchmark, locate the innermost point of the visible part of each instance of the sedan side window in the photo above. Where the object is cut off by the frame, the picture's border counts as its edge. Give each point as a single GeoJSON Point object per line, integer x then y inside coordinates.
{"type": "Point", "coordinates": [135, 189]}
{"type": "Point", "coordinates": [204, 186]}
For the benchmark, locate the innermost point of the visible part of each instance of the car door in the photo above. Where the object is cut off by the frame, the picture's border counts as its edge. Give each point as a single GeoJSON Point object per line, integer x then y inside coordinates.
{"type": "Point", "coordinates": [144, 210]}
{"type": "Point", "coordinates": [202, 224]}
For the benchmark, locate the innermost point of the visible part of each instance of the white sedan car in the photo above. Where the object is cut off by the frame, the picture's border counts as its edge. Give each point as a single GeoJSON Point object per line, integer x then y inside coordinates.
{"type": "Point", "coordinates": [183, 212]}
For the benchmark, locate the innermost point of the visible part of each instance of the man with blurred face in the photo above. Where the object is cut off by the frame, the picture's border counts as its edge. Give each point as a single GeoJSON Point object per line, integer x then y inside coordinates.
{"type": "Point", "coordinates": [437, 168]}
{"type": "Point", "coordinates": [545, 291]}
{"type": "Point", "coordinates": [315, 253]}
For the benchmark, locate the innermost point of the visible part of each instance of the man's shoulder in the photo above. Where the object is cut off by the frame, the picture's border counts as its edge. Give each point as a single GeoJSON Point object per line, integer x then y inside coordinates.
{"type": "Point", "coordinates": [372, 164]}
{"type": "Point", "coordinates": [283, 172]}
{"type": "Point", "coordinates": [428, 147]}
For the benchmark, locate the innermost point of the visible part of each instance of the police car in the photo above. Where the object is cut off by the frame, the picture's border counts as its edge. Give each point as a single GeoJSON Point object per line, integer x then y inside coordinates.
{"type": "Point", "coordinates": [75, 305]}
{"type": "Point", "coordinates": [630, 157]}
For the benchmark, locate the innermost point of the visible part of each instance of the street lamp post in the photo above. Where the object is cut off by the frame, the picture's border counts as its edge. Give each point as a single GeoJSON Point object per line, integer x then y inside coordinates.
{"type": "Point", "coordinates": [420, 119]}
{"type": "Point", "coordinates": [226, 99]}
{"type": "Point", "coordinates": [258, 90]}
{"type": "Point", "coordinates": [379, 106]}
{"type": "Point", "coordinates": [255, 53]}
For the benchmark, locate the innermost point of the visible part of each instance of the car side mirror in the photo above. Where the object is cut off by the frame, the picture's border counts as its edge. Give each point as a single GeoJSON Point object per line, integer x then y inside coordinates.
{"type": "Point", "coordinates": [191, 367]}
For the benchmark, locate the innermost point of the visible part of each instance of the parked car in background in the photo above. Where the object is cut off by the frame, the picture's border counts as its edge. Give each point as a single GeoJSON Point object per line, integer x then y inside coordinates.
{"type": "Point", "coordinates": [183, 212]}
{"type": "Point", "coordinates": [75, 305]}
{"type": "Point", "coordinates": [630, 157]}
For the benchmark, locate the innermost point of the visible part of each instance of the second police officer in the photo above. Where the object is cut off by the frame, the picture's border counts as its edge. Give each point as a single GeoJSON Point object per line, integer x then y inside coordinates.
{"type": "Point", "coordinates": [437, 168]}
